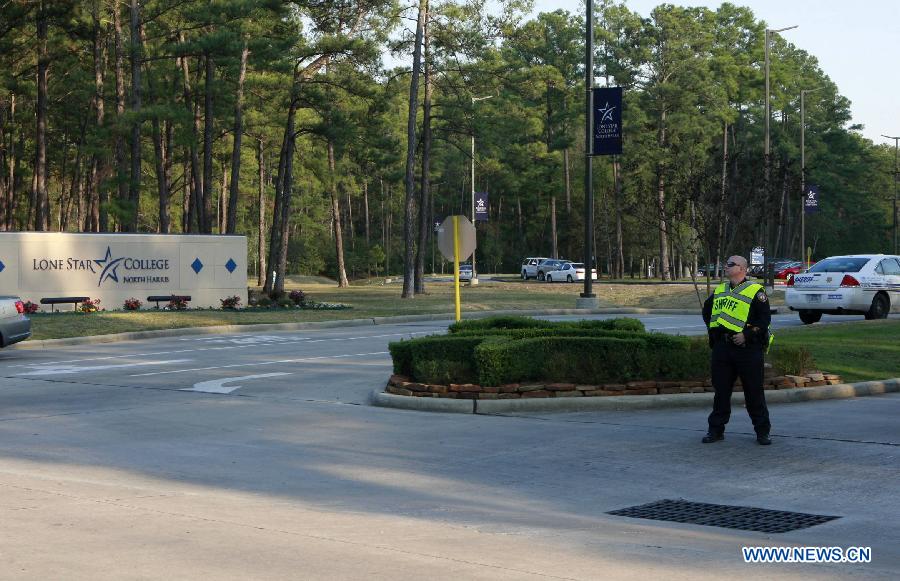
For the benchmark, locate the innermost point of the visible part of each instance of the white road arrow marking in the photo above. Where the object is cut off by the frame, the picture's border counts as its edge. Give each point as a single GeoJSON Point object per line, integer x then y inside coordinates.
{"type": "Point", "coordinates": [218, 385]}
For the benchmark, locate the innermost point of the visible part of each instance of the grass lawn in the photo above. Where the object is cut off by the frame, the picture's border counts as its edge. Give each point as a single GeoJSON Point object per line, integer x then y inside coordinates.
{"type": "Point", "coordinates": [857, 351]}
{"type": "Point", "coordinates": [371, 300]}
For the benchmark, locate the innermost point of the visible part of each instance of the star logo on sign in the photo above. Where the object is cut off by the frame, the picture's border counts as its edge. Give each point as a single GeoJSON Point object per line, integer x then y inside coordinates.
{"type": "Point", "coordinates": [811, 195]}
{"type": "Point", "coordinates": [606, 113]}
{"type": "Point", "coordinates": [110, 266]}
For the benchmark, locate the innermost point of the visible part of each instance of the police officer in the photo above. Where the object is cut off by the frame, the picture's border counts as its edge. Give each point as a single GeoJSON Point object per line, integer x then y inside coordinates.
{"type": "Point", "coordinates": [737, 316]}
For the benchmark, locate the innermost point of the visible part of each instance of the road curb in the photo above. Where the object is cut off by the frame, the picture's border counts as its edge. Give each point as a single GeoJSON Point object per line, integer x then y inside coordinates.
{"type": "Point", "coordinates": [422, 404]}
{"type": "Point", "coordinates": [221, 329]}
{"type": "Point", "coordinates": [627, 402]}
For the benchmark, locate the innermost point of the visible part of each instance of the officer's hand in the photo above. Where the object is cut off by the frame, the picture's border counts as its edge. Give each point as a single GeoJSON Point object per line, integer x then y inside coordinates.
{"type": "Point", "coordinates": [739, 339]}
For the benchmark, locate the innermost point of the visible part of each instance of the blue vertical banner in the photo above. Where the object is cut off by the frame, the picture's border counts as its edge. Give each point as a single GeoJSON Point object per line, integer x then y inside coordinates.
{"type": "Point", "coordinates": [481, 207]}
{"type": "Point", "coordinates": [607, 121]}
{"type": "Point", "coordinates": [811, 199]}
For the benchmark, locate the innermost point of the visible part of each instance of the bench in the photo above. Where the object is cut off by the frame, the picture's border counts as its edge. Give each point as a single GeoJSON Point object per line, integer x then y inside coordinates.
{"type": "Point", "coordinates": [160, 298]}
{"type": "Point", "coordinates": [53, 301]}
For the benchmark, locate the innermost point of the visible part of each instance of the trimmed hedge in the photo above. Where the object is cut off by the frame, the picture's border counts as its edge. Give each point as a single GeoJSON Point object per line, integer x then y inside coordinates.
{"type": "Point", "coordinates": [591, 360]}
{"type": "Point", "coordinates": [513, 349]}
{"type": "Point", "coordinates": [430, 357]}
{"type": "Point", "coordinates": [493, 324]}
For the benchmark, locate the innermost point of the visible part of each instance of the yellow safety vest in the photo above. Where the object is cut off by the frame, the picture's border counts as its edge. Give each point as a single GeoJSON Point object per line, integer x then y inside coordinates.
{"type": "Point", "coordinates": [731, 307]}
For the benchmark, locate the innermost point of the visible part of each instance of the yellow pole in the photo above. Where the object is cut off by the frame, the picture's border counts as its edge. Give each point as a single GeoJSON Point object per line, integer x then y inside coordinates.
{"type": "Point", "coordinates": [456, 263]}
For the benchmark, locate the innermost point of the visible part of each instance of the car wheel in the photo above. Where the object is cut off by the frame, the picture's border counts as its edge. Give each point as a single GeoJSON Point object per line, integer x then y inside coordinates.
{"type": "Point", "coordinates": [549, 278]}
{"type": "Point", "coordinates": [569, 278]}
{"type": "Point", "coordinates": [810, 317]}
{"type": "Point", "coordinates": [524, 275]}
{"type": "Point", "coordinates": [540, 275]}
{"type": "Point", "coordinates": [879, 309]}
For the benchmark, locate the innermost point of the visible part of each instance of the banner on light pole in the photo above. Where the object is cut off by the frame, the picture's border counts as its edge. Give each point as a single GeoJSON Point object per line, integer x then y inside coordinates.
{"type": "Point", "coordinates": [607, 121]}
{"type": "Point", "coordinates": [481, 207]}
{"type": "Point", "coordinates": [811, 200]}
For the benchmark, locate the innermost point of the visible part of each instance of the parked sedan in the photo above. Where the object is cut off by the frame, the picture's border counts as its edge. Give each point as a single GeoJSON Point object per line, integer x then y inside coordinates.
{"type": "Point", "coordinates": [788, 269]}
{"type": "Point", "coordinates": [548, 265]}
{"type": "Point", "coordinates": [465, 272]}
{"type": "Point", "coordinates": [570, 272]}
{"type": "Point", "coordinates": [14, 325]}
{"type": "Point", "coordinates": [862, 284]}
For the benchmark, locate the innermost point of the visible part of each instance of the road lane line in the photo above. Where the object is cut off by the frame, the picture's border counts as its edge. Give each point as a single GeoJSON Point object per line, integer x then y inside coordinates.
{"type": "Point", "coordinates": [202, 349]}
{"type": "Point", "coordinates": [218, 385]}
{"type": "Point", "coordinates": [259, 363]}
{"type": "Point", "coordinates": [68, 370]}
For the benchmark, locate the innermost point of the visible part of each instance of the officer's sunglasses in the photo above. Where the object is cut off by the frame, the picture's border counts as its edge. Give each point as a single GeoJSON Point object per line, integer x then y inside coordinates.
{"type": "Point", "coordinates": [730, 264]}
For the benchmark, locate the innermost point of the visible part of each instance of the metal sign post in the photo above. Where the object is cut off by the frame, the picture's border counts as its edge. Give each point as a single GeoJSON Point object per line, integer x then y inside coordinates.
{"type": "Point", "coordinates": [456, 241]}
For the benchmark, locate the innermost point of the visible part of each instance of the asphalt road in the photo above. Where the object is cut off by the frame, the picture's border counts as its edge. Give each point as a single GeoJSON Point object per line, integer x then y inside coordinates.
{"type": "Point", "coordinates": [253, 456]}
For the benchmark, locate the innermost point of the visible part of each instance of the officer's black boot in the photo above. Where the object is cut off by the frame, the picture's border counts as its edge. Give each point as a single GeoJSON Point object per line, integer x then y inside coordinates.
{"type": "Point", "coordinates": [763, 439]}
{"type": "Point", "coordinates": [711, 437]}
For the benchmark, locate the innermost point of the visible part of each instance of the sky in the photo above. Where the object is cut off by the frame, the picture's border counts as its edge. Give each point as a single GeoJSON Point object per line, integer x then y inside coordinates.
{"type": "Point", "coordinates": [856, 44]}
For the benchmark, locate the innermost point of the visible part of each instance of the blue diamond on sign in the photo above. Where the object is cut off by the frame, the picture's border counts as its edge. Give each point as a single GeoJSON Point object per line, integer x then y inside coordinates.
{"type": "Point", "coordinates": [2, 266]}
{"type": "Point", "coordinates": [230, 265]}
{"type": "Point", "coordinates": [197, 265]}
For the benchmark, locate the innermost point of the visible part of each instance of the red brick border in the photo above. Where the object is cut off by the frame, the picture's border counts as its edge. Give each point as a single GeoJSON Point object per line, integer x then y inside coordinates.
{"type": "Point", "coordinates": [401, 385]}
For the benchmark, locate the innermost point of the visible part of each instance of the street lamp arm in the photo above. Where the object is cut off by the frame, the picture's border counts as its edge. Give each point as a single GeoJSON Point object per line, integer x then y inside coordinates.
{"type": "Point", "coordinates": [769, 30]}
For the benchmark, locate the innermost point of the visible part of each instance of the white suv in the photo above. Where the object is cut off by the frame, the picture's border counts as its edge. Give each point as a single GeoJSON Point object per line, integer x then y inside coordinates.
{"type": "Point", "coordinates": [861, 284]}
{"type": "Point", "coordinates": [530, 267]}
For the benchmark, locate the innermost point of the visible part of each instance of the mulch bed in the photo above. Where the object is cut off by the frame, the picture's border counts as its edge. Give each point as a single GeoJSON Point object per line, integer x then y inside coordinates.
{"type": "Point", "coordinates": [401, 385]}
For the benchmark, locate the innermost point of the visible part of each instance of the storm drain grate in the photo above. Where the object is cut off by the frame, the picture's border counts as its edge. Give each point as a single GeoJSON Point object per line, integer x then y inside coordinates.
{"type": "Point", "coordinates": [745, 518]}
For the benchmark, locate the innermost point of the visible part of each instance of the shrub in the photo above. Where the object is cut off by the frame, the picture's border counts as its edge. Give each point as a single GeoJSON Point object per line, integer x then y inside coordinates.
{"type": "Point", "coordinates": [232, 302]}
{"type": "Point", "coordinates": [132, 304]}
{"type": "Point", "coordinates": [264, 301]}
{"type": "Point", "coordinates": [495, 324]}
{"type": "Point", "coordinates": [30, 307]}
{"type": "Point", "coordinates": [437, 348]}
{"type": "Point", "coordinates": [285, 302]}
{"type": "Point", "coordinates": [591, 360]}
{"type": "Point", "coordinates": [791, 360]}
{"type": "Point", "coordinates": [177, 304]}
{"type": "Point", "coordinates": [90, 306]}
{"type": "Point", "coordinates": [298, 297]}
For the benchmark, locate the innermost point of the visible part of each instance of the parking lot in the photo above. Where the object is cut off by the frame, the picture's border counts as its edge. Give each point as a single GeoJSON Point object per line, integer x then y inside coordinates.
{"type": "Point", "coordinates": [255, 456]}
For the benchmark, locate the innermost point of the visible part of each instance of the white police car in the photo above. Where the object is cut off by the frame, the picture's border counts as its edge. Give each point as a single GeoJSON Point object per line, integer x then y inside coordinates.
{"type": "Point", "coordinates": [861, 284]}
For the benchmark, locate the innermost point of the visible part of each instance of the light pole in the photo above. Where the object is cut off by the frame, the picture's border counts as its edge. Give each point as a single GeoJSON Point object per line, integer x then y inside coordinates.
{"type": "Point", "coordinates": [803, 172]}
{"type": "Point", "coordinates": [896, 176]}
{"type": "Point", "coordinates": [588, 298]}
{"type": "Point", "coordinates": [474, 279]}
{"type": "Point", "coordinates": [769, 277]}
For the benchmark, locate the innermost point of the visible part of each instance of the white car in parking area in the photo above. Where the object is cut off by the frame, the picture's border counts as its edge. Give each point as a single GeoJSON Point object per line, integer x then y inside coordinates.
{"type": "Point", "coordinates": [569, 272]}
{"type": "Point", "coordinates": [861, 284]}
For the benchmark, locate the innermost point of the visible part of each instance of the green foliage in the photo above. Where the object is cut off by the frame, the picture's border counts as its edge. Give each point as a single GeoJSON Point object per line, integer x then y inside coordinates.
{"type": "Point", "coordinates": [500, 323]}
{"type": "Point", "coordinates": [791, 360]}
{"type": "Point", "coordinates": [510, 349]}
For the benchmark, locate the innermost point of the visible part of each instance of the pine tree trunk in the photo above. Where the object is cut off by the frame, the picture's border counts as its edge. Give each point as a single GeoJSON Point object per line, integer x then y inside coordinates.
{"type": "Point", "coordinates": [95, 220]}
{"type": "Point", "coordinates": [336, 220]}
{"type": "Point", "coordinates": [231, 223]}
{"type": "Point", "coordinates": [261, 239]}
{"type": "Point", "coordinates": [617, 203]}
{"type": "Point", "coordinates": [160, 161]}
{"type": "Point", "coordinates": [134, 186]}
{"type": "Point", "coordinates": [193, 220]}
{"type": "Point", "coordinates": [366, 208]}
{"type": "Point", "coordinates": [121, 164]}
{"type": "Point", "coordinates": [11, 172]}
{"type": "Point", "coordinates": [424, 230]}
{"type": "Point", "coordinates": [409, 222]}
{"type": "Point", "coordinates": [661, 203]}
{"type": "Point", "coordinates": [41, 196]}
{"type": "Point", "coordinates": [208, 117]}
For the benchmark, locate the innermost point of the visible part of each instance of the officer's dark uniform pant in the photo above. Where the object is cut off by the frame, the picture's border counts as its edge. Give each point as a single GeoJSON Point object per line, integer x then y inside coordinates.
{"type": "Point", "coordinates": [728, 363]}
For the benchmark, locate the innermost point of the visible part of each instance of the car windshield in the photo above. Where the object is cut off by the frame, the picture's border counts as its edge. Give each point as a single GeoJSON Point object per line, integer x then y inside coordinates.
{"type": "Point", "coordinates": [848, 264]}
{"type": "Point", "coordinates": [577, 265]}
